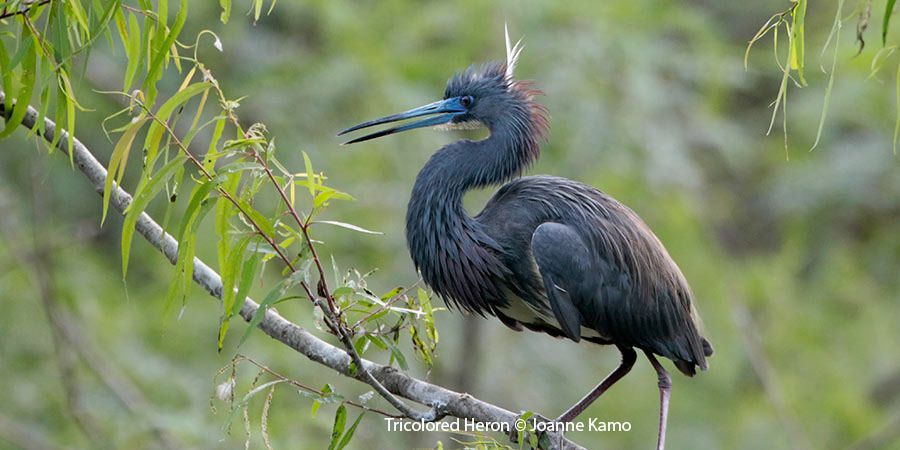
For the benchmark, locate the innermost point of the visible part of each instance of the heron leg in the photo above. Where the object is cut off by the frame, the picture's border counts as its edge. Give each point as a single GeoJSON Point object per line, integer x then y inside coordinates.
{"type": "Point", "coordinates": [665, 387]}
{"type": "Point", "coordinates": [628, 358]}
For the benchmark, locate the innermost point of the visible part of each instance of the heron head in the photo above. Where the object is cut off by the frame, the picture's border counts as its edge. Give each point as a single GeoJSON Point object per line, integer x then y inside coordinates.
{"type": "Point", "coordinates": [480, 96]}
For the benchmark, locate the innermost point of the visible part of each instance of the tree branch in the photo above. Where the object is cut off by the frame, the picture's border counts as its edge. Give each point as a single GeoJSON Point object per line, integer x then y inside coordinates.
{"type": "Point", "coordinates": [27, 9]}
{"type": "Point", "coordinates": [453, 403]}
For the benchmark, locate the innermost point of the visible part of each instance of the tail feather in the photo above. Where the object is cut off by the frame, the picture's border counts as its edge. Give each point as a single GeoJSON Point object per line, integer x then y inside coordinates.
{"type": "Point", "coordinates": [689, 368]}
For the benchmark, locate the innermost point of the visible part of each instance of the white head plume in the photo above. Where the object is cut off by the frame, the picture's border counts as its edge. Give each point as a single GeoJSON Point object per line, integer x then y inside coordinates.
{"type": "Point", "coordinates": [512, 54]}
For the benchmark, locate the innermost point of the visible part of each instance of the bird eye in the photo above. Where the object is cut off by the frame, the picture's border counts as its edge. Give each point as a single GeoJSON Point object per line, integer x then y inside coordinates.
{"type": "Point", "coordinates": [466, 101]}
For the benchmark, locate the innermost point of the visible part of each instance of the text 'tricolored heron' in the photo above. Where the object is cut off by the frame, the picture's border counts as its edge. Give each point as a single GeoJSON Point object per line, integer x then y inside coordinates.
{"type": "Point", "coordinates": [546, 253]}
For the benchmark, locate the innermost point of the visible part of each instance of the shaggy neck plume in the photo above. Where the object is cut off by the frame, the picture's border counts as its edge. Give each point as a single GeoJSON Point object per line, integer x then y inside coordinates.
{"type": "Point", "coordinates": [438, 227]}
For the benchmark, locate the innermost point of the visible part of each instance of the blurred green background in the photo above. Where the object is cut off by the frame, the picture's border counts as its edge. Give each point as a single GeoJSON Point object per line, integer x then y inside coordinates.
{"type": "Point", "coordinates": [794, 261]}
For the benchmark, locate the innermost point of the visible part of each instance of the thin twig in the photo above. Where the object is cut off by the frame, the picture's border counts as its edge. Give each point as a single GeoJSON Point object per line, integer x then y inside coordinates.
{"type": "Point", "coordinates": [386, 305]}
{"type": "Point", "coordinates": [306, 388]}
{"type": "Point", "coordinates": [24, 11]}
{"type": "Point", "coordinates": [149, 14]}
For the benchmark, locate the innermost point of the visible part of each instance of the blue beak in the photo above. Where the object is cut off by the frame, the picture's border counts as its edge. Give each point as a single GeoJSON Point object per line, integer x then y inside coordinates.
{"type": "Point", "coordinates": [448, 109]}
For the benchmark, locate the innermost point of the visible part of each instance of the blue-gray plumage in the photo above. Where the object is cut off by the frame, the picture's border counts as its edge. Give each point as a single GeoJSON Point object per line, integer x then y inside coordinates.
{"type": "Point", "coordinates": [546, 253]}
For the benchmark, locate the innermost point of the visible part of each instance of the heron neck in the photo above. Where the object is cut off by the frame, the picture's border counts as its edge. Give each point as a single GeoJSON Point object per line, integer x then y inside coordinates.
{"type": "Point", "coordinates": [435, 211]}
{"type": "Point", "coordinates": [464, 165]}
{"type": "Point", "coordinates": [444, 241]}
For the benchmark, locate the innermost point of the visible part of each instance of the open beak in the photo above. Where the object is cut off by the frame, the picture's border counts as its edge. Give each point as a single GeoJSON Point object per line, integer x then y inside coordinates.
{"type": "Point", "coordinates": [446, 110]}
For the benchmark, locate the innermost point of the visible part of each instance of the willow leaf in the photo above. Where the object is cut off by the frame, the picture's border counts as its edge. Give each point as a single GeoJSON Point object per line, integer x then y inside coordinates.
{"type": "Point", "coordinates": [229, 274]}
{"type": "Point", "coordinates": [276, 293]}
{"type": "Point", "coordinates": [348, 226]}
{"type": "Point", "coordinates": [142, 197]}
{"type": "Point", "coordinates": [340, 421]}
{"type": "Point", "coordinates": [162, 50]}
{"type": "Point", "coordinates": [118, 161]}
{"type": "Point", "coordinates": [888, 11]}
{"type": "Point", "coordinates": [132, 51]}
{"type": "Point", "coordinates": [26, 80]}
{"type": "Point", "coordinates": [158, 127]}
{"type": "Point", "coordinates": [184, 266]}
{"type": "Point", "coordinates": [226, 10]}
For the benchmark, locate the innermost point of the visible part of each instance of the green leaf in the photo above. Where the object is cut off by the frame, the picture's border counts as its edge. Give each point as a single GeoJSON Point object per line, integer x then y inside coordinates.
{"type": "Point", "coordinates": [325, 194]}
{"type": "Point", "coordinates": [377, 340]}
{"type": "Point", "coordinates": [224, 211]}
{"type": "Point", "coordinates": [209, 160]}
{"type": "Point", "coordinates": [389, 294]}
{"type": "Point", "coordinates": [361, 345]}
{"type": "Point", "coordinates": [194, 129]}
{"type": "Point", "coordinates": [888, 10]}
{"type": "Point", "coordinates": [396, 354]}
{"type": "Point", "coordinates": [532, 435]}
{"type": "Point", "coordinates": [239, 166]}
{"type": "Point", "coordinates": [158, 127]}
{"type": "Point", "coordinates": [80, 16]}
{"type": "Point", "coordinates": [162, 50]}
{"type": "Point", "coordinates": [70, 113]}
{"type": "Point", "coordinates": [45, 103]}
{"type": "Point", "coordinates": [183, 264]}
{"type": "Point", "coordinates": [242, 143]}
{"type": "Point", "coordinates": [897, 120]}
{"type": "Point", "coordinates": [229, 274]}
{"type": "Point", "coordinates": [797, 40]}
{"type": "Point", "coordinates": [349, 434]}
{"type": "Point", "coordinates": [310, 177]}
{"type": "Point", "coordinates": [121, 25]}
{"type": "Point", "coordinates": [142, 197]}
{"type": "Point", "coordinates": [226, 10]}
{"type": "Point", "coordinates": [200, 193]}
{"type": "Point", "coordinates": [59, 116]}
{"type": "Point", "coordinates": [197, 209]}
{"type": "Point", "coordinates": [347, 226]}
{"type": "Point", "coordinates": [133, 51]}
{"type": "Point", "coordinates": [27, 80]}
{"type": "Point", "coordinates": [420, 346]}
{"type": "Point", "coordinates": [257, 9]}
{"type": "Point", "coordinates": [340, 421]}
{"type": "Point", "coordinates": [248, 271]}
{"type": "Point", "coordinates": [276, 293]}
{"type": "Point", "coordinates": [833, 35]}
{"type": "Point", "coordinates": [520, 434]}
{"type": "Point", "coordinates": [260, 220]}
{"type": "Point", "coordinates": [6, 73]}
{"type": "Point", "coordinates": [118, 161]}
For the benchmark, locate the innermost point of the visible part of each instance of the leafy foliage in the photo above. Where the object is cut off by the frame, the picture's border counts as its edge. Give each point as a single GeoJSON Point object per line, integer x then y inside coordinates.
{"type": "Point", "coordinates": [792, 66]}
{"type": "Point", "coordinates": [232, 175]}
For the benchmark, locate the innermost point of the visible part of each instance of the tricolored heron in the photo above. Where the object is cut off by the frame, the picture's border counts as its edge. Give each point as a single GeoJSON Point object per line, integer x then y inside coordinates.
{"type": "Point", "coordinates": [546, 253]}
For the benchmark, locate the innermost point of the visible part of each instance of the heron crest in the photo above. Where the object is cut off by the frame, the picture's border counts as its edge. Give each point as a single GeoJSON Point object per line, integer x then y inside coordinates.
{"type": "Point", "coordinates": [512, 54]}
